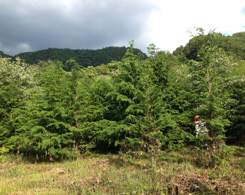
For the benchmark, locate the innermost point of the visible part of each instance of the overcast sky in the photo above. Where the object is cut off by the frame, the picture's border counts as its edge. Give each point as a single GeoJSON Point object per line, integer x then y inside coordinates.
{"type": "Point", "coordinates": [31, 25]}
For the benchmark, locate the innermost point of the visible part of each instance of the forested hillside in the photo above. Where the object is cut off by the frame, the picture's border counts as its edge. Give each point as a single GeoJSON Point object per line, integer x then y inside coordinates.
{"type": "Point", "coordinates": [83, 57]}
{"type": "Point", "coordinates": [3, 55]}
{"type": "Point", "coordinates": [233, 45]}
{"type": "Point", "coordinates": [135, 106]}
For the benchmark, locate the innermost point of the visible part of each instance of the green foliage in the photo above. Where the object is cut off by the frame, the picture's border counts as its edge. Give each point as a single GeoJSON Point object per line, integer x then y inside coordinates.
{"type": "Point", "coordinates": [43, 127]}
{"type": "Point", "coordinates": [140, 90]}
{"type": "Point", "coordinates": [17, 83]}
{"type": "Point", "coordinates": [3, 151]}
{"type": "Point", "coordinates": [141, 107]}
{"type": "Point", "coordinates": [99, 131]}
{"type": "Point", "coordinates": [3, 55]}
{"type": "Point", "coordinates": [83, 57]}
{"type": "Point", "coordinates": [236, 104]}
{"type": "Point", "coordinates": [232, 45]}
{"type": "Point", "coordinates": [207, 83]}
{"type": "Point", "coordinates": [228, 76]}
{"type": "Point", "coordinates": [134, 92]}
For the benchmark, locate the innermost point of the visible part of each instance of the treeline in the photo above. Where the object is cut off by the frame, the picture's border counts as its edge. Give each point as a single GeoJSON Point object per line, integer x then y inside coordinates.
{"type": "Point", "coordinates": [133, 106]}
{"type": "Point", "coordinates": [84, 57]}
{"type": "Point", "coordinates": [3, 55]}
{"type": "Point", "coordinates": [233, 45]}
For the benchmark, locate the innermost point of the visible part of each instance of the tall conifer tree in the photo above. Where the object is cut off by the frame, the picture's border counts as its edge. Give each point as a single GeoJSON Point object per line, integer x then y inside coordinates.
{"type": "Point", "coordinates": [207, 82]}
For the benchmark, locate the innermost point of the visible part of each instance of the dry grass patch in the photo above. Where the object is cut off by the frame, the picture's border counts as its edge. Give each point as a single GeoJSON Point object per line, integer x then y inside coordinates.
{"type": "Point", "coordinates": [176, 173]}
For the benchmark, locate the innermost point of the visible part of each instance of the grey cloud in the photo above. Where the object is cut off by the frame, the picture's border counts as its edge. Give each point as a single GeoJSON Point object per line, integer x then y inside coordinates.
{"type": "Point", "coordinates": [29, 25]}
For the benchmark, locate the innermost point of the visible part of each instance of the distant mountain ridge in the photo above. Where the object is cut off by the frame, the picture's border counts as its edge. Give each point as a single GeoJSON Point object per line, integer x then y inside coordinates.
{"type": "Point", "coordinates": [3, 55]}
{"type": "Point", "coordinates": [84, 57]}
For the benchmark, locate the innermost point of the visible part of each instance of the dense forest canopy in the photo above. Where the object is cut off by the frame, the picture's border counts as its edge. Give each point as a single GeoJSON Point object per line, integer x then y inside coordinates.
{"type": "Point", "coordinates": [4, 55]}
{"type": "Point", "coordinates": [233, 45]}
{"type": "Point", "coordinates": [84, 57]}
{"type": "Point", "coordinates": [135, 105]}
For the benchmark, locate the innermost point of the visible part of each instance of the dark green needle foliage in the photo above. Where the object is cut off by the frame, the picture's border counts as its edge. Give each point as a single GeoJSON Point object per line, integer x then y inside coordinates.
{"type": "Point", "coordinates": [208, 75]}
{"type": "Point", "coordinates": [45, 124]}
{"type": "Point", "coordinates": [17, 82]}
{"type": "Point", "coordinates": [148, 124]}
{"type": "Point", "coordinates": [137, 106]}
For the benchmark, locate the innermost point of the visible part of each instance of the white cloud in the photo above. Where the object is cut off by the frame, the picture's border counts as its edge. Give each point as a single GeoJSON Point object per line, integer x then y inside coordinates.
{"type": "Point", "coordinates": [23, 47]}
{"type": "Point", "coordinates": [170, 24]}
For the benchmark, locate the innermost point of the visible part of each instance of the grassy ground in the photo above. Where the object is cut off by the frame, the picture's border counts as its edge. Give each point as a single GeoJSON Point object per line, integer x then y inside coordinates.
{"type": "Point", "coordinates": [181, 172]}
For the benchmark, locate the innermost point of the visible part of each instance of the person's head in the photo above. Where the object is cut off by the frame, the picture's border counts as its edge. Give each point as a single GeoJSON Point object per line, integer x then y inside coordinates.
{"type": "Point", "coordinates": [196, 118]}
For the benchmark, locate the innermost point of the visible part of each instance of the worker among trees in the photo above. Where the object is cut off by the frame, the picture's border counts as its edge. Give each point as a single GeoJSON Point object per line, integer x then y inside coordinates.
{"type": "Point", "coordinates": [201, 132]}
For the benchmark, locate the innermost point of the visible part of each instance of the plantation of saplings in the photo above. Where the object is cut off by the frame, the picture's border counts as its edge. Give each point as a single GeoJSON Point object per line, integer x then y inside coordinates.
{"type": "Point", "coordinates": [131, 119]}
